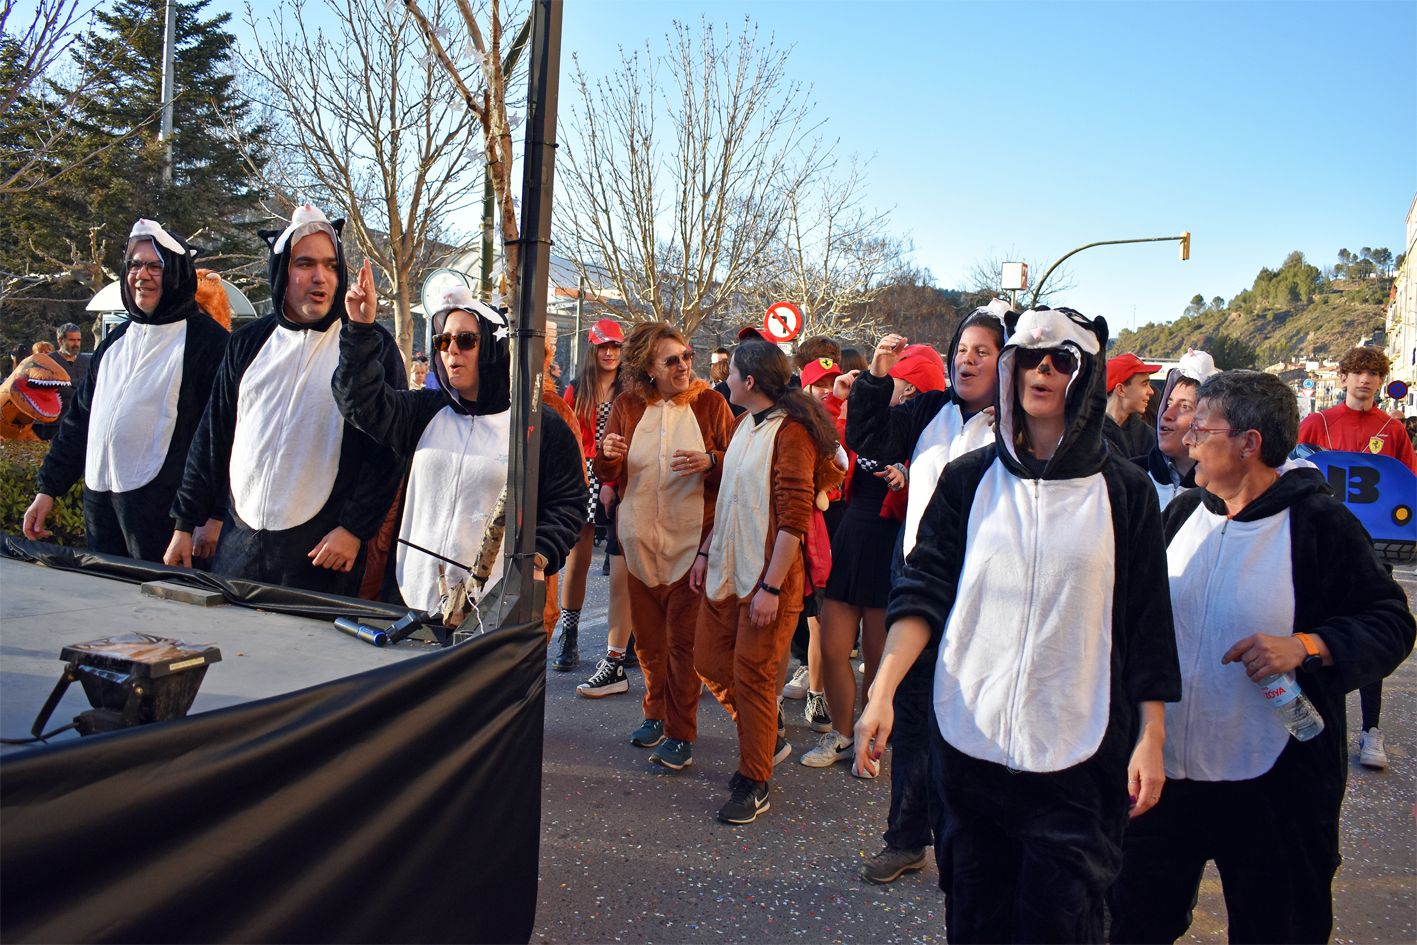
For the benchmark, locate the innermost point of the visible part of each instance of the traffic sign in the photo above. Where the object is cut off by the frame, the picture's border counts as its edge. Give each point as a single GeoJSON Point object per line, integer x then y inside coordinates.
{"type": "Point", "coordinates": [437, 284]}
{"type": "Point", "coordinates": [1397, 390]}
{"type": "Point", "coordinates": [782, 322]}
{"type": "Point", "coordinates": [1308, 383]}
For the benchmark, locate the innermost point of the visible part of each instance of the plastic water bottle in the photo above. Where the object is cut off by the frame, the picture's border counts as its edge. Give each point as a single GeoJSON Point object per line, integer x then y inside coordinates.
{"type": "Point", "coordinates": [1291, 706]}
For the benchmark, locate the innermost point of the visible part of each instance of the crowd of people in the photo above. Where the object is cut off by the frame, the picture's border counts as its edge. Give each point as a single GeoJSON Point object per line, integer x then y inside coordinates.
{"type": "Point", "coordinates": [1051, 598]}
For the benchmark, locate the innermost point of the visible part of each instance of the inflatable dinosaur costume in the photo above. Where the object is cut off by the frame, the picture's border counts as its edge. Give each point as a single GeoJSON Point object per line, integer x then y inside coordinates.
{"type": "Point", "coordinates": [31, 395]}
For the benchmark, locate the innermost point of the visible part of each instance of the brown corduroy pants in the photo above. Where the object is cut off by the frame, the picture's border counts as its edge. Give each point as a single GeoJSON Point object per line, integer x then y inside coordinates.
{"type": "Point", "coordinates": [665, 619]}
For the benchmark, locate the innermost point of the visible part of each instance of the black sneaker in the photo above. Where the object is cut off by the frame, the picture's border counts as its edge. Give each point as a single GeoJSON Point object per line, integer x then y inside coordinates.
{"type": "Point", "coordinates": [676, 754]}
{"type": "Point", "coordinates": [609, 678]}
{"type": "Point", "coordinates": [781, 751]}
{"type": "Point", "coordinates": [781, 721]}
{"type": "Point", "coordinates": [749, 799]}
{"type": "Point", "coordinates": [631, 657]}
{"type": "Point", "coordinates": [649, 734]}
{"type": "Point", "coordinates": [816, 712]}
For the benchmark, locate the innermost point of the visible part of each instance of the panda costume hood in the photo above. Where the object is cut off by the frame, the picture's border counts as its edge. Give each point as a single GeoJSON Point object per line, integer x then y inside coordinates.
{"type": "Point", "coordinates": [1196, 367]}
{"type": "Point", "coordinates": [139, 407]}
{"type": "Point", "coordinates": [494, 355]}
{"type": "Point", "coordinates": [179, 275]}
{"type": "Point", "coordinates": [307, 219]}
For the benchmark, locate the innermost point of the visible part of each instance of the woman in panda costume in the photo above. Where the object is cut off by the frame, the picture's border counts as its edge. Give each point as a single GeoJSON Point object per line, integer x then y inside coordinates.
{"type": "Point", "coordinates": [457, 438]}
{"type": "Point", "coordinates": [132, 421]}
{"type": "Point", "coordinates": [1039, 575]}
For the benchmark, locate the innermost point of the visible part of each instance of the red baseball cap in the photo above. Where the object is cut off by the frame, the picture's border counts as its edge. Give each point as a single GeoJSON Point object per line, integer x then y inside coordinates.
{"type": "Point", "coordinates": [753, 333]}
{"type": "Point", "coordinates": [922, 366]}
{"type": "Point", "coordinates": [1124, 367]}
{"type": "Point", "coordinates": [818, 369]}
{"type": "Point", "coordinates": [606, 331]}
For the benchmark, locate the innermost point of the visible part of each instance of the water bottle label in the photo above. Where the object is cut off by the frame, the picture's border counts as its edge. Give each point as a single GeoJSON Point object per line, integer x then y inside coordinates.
{"type": "Point", "coordinates": [1281, 691]}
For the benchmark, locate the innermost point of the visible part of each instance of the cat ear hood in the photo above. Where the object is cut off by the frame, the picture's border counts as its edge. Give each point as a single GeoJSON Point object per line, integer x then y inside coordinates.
{"type": "Point", "coordinates": [1080, 452]}
{"type": "Point", "coordinates": [307, 219]}
{"type": "Point", "coordinates": [179, 275]}
{"type": "Point", "coordinates": [494, 353]}
{"type": "Point", "coordinates": [1195, 366]}
{"type": "Point", "coordinates": [996, 313]}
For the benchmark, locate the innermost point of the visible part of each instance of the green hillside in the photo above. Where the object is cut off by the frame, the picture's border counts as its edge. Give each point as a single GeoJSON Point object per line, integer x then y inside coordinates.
{"type": "Point", "coordinates": [1290, 312]}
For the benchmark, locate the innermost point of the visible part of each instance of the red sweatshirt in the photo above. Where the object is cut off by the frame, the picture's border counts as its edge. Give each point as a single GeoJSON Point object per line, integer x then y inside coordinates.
{"type": "Point", "coordinates": [1359, 431]}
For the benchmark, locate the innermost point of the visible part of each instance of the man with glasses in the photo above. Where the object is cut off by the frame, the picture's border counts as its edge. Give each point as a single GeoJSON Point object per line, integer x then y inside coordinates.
{"type": "Point", "coordinates": [131, 421]}
{"type": "Point", "coordinates": [291, 489]}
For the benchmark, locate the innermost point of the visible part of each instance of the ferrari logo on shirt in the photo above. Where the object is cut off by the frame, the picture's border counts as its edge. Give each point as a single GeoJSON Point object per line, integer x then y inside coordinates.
{"type": "Point", "coordinates": [1375, 444]}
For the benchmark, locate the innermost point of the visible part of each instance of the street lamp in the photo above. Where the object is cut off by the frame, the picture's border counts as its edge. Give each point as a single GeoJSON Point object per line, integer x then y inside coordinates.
{"type": "Point", "coordinates": [1184, 239]}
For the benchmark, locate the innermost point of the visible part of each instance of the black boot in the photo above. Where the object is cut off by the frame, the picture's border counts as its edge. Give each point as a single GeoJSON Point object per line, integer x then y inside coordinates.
{"type": "Point", "coordinates": [570, 653]}
{"type": "Point", "coordinates": [631, 657]}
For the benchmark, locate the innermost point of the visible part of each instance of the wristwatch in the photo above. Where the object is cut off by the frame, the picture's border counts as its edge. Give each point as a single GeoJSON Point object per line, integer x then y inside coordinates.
{"type": "Point", "coordinates": [1314, 661]}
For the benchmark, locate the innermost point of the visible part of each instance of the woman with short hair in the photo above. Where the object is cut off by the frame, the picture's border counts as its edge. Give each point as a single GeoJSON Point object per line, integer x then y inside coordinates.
{"type": "Point", "coordinates": [1257, 590]}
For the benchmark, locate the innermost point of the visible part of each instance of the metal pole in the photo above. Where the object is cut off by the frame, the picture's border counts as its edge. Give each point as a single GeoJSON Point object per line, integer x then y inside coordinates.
{"type": "Point", "coordinates": [1038, 289]}
{"type": "Point", "coordinates": [576, 345]}
{"type": "Point", "coordinates": [538, 165]}
{"type": "Point", "coordinates": [169, 44]}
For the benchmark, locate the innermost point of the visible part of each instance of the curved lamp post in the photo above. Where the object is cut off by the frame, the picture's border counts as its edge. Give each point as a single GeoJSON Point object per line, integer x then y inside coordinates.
{"type": "Point", "coordinates": [1184, 239]}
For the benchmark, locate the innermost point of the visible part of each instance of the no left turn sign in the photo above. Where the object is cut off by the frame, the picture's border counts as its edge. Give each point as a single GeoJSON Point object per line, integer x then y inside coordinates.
{"type": "Point", "coordinates": [782, 322]}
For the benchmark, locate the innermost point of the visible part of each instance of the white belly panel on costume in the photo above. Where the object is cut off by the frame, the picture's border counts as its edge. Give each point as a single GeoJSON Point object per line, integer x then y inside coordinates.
{"type": "Point", "coordinates": [945, 438]}
{"type": "Point", "coordinates": [134, 409]}
{"type": "Point", "coordinates": [286, 450]}
{"type": "Point", "coordinates": [661, 518]}
{"type": "Point", "coordinates": [1228, 581]}
{"type": "Point", "coordinates": [459, 469]}
{"type": "Point", "coordinates": [740, 531]}
{"type": "Point", "coordinates": [1023, 677]}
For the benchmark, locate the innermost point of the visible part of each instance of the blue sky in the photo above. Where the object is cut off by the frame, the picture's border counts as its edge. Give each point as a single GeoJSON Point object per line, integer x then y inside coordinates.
{"type": "Point", "coordinates": [1027, 129]}
{"type": "Point", "coordinates": [1013, 129]}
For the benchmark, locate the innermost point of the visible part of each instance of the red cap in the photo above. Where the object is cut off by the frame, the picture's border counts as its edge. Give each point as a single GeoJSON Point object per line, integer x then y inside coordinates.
{"type": "Point", "coordinates": [818, 369]}
{"type": "Point", "coordinates": [605, 331]}
{"type": "Point", "coordinates": [753, 333]}
{"type": "Point", "coordinates": [1124, 367]}
{"type": "Point", "coordinates": [922, 366]}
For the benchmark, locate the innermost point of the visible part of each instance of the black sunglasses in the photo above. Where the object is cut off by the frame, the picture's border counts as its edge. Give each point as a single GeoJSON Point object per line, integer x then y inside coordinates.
{"type": "Point", "coordinates": [466, 340]}
{"type": "Point", "coordinates": [1063, 360]}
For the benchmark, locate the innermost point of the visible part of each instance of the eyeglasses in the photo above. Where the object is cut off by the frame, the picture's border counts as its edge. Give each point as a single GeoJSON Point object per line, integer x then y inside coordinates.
{"type": "Point", "coordinates": [1199, 433]}
{"type": "Point", "coordinates": [1063, 360]}
{"type": "Point", "coordinates": [686, 359]}
{"type": "Point", "coordinates": [152, 267]}
{"type": "Point", "coordinates": [466, 340]}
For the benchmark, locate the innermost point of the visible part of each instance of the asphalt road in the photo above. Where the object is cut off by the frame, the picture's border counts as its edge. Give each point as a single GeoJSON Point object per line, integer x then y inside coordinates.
{"type": "Point", "coordinates": [632, 853]}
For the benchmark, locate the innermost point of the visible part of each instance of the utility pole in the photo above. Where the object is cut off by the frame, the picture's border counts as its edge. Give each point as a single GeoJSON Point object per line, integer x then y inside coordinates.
{"type": "Point", "coordinates": [169, 45]}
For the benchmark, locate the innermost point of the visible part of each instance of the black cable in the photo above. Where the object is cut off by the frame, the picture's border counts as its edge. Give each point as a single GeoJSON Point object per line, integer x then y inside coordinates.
{"type": "Point", "coordinates": [37, 738]}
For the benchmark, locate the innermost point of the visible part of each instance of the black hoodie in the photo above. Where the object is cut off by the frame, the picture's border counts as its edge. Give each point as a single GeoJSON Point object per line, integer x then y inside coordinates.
{"type": "Point", "coordinates": [457, 451]}
{"type": "Point", "coordinates": [1051, 580]}
{"type": "Point", "coordinates": [202, 342]}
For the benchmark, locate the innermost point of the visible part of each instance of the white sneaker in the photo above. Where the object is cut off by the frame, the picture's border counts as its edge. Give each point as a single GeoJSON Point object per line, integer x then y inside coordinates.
{"type": "Point", "coordinates": [831, 748]}
{"type": "Point", "coordinates": [869, 772]}
{"type": "Point", "coordinates": [1371, 753]}
{"type": "Point", "coordinates": [796, 687]}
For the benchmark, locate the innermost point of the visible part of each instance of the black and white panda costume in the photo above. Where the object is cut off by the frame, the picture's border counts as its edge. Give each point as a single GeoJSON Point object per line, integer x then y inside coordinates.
{"type": "Point", "coordinates": [1044, 585]}
{"type": "Point", "coordinates": [929, 430]}
{"type": "Point", "coordinates": [132, 420]}
{"type": "Point", "coordinates": [458, 453]}
{"type": "Point", "coordinates": [1197, 367]}
{"type": "Point", "coordinates": [273, 455]}
{"type": "Point", "coordinates": [1264, 806]}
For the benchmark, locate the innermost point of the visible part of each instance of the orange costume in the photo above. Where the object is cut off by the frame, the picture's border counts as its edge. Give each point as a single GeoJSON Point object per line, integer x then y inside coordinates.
{"type": "Point", "coordinates": [662, 520]}
{"type": "Point", "coordinates": [772, 474]}
{"type": "Point", "coordinates": [552, 401]}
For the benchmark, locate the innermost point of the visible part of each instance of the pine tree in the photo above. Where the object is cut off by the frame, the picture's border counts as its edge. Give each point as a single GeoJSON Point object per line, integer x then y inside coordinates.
{"type": "Point", "coordinates": [210, 188]}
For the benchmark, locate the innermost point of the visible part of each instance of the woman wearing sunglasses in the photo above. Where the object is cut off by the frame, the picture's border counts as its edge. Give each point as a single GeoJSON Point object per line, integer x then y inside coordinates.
{"type": "Point", "coordinates": [1040, 577]}
{"type": "Point", "coordinates": [598, 382]}
{"type": "Point", "coordinates": [456, 440]}
{"type": "Point", "coordinates": [664, 443]}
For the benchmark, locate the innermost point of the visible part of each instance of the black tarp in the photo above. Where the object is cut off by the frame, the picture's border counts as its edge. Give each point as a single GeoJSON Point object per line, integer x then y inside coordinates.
{"type": "Point", "coordinates": [397, 805]}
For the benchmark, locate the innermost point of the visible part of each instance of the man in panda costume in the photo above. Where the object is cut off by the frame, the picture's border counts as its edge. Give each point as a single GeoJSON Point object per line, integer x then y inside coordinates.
{"type": "Point", "coordinates": [132, 420]}
{"type": "Point", "coordinates": [1039, 574]}
{"type": "Point", "coordinates": [457, 438]}
{"type": "Point", "coordinates": [300, 490]}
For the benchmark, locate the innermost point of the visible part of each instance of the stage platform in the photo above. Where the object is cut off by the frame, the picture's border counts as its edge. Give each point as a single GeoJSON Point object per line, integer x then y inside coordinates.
{"type": "Point", "coordinates": [262, 654]}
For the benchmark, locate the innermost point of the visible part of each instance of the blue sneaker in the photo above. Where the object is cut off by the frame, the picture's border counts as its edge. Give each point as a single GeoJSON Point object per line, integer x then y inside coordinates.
{"type": "Point", "coordinates": [649, 734]}
{"type": "Point", "coordinates": [676, 754]}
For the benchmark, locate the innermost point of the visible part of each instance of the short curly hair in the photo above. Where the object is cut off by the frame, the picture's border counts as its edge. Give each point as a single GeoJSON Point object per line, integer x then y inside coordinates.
{"type": "Point", "coordinates": [1365, 358]}
{"type": "Point", "coordinates": [640, 344]}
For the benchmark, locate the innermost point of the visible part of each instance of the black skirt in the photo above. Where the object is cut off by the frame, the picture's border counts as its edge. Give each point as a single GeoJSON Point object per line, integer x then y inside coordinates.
{"type": "Point", "coordinates": [861, 558]}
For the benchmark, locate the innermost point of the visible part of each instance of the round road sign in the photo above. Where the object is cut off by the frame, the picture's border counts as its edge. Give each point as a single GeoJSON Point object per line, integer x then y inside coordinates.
{"type": "Point", "coordinates": [782, 322]}
{"type": "Point", "coordinates": [1397, 390]}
